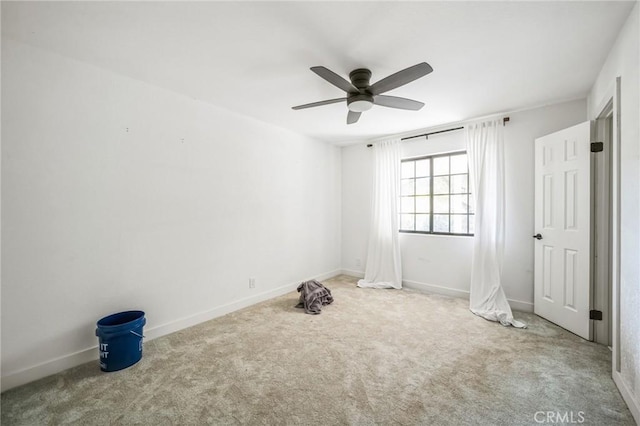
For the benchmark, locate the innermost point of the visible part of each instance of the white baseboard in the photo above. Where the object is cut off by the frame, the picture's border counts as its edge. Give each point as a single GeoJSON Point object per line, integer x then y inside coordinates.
{"type": "Point", "coordinates": [180, 324]}
{"type": "Point", "coordinates": [352, 273]}
{"type": "Point", "coordinates": [516, 305]}
{"type": "Point", "coordinates": [631, 401]}
{"type": "Point", "coordinates": [39, 371]}
{"type": "Point", "coordinates": [431, 288]}
{"type": "Point", "coordinates": [48, 368]}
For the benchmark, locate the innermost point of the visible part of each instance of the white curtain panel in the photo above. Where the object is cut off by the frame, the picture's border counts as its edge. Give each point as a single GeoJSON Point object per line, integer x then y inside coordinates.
{"type": "Point", "coordinates": [485, 150]}
{"type": "Point", "coordinates": [383, 269]}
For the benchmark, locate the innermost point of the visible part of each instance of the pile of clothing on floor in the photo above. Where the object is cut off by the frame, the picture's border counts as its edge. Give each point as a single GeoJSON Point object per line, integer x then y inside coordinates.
{"type": "Point", "coordinates": [313, 296]}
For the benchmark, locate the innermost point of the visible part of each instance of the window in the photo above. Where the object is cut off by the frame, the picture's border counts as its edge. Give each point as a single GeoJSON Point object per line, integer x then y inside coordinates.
{"type": "Point", "coordinates": [435, 197]}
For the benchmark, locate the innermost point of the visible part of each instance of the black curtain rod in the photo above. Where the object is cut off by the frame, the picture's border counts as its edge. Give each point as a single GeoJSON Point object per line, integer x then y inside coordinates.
{"type": "Point", "coordinates": [426, 135]}
{"type": "Point", "coordinates": [432, 133]}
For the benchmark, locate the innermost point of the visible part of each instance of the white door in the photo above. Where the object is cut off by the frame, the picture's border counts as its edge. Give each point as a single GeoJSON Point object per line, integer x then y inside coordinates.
{"type": "Point", "coordinates": [562, 227]}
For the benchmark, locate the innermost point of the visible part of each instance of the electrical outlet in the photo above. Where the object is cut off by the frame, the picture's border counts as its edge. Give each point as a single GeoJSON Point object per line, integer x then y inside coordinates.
{"type": "Point", "coordinates": [358, 262]}
{"type": "Point", "coordinates": [252, 283]}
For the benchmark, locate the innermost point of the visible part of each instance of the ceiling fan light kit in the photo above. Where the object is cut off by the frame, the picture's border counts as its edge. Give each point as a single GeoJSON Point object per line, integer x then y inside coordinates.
{"type": "Point", "coordinates": [361, 95]}
{"type": "Point", "coordinates": [359, 102]}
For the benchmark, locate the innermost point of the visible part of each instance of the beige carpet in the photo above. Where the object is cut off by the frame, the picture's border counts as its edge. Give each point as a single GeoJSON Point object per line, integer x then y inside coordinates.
{"type": "Point", "coordinates": [372, 357]}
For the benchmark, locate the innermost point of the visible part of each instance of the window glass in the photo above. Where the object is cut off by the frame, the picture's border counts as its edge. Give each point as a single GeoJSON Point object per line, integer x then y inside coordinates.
{"type": "Point", "coordinates": [441, 223]}
{"type": "Point", "coordinates": [407, 187]}
{"type": "Point", "coordinates": [459, 224]}
{"type": "Point", "coordinates": [423, 168]}
{"type": "Point", "coordinates": [441, 185]}
{"type": "Point", "coordinates": [458, 164]}
{"type": "Point", "coordinates": [423, 186]}
{"type": "Point", "coordinates": [435, 195]}
{"type": "Point", "coordinates": [459, 203]}
{"type": "Point", "coordinates": [423, 204]}
{"type": "Point", "coordinates": [441, 204]}
{"type": "Point", "coordinates": [408, 169]}
{"type": "Point", "coordinates": [407, 204]}
{"type": "Point", "coordinates": [459, 184]}
{"type": "Point", "coordinates": [441, 165]}
{"type": "Point", "coordinates": [422, 222]}
{"type": "Point", "coordinates": [407, 222]}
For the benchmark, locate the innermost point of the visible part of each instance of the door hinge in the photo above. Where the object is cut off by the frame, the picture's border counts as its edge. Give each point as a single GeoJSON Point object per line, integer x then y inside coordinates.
{"type": "Point", "coordinates": [597, 146]}
{"type": "Point", "coordinates": [595, 315]}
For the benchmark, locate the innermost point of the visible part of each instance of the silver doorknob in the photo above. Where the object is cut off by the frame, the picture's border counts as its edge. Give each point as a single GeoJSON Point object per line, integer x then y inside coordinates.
{"type": "Point", "coordinates": [537, 237]}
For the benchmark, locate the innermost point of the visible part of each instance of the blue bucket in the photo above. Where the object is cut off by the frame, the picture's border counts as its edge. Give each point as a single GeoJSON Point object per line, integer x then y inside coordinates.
{"type": "Point", "coordinates": [120, 340]}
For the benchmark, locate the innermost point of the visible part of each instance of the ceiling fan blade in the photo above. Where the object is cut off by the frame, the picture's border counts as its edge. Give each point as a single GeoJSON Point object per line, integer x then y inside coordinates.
{"type": "Point", "coordinates": [315, 104]}
{"type": "Point", "coordinates": [334, 79]}
{"type": "Point", "coordinates": [396, 102]}
{"type": "Point", "coordinates": [400, 78]}
{"type": "Point", "coordinates": [353, 117]}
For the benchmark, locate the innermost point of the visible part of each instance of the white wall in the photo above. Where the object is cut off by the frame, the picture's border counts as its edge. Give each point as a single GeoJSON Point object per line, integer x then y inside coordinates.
{"type": "Point", "coordinates": [119, 195]}
{"type": "Point", "coordinates": [443, 263]}
{"type": "Point", "coordinates": [624, 62]}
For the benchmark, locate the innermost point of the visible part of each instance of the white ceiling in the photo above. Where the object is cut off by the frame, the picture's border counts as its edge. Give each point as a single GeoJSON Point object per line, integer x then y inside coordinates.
{"type": "Point", "coordinates": [254, 57]}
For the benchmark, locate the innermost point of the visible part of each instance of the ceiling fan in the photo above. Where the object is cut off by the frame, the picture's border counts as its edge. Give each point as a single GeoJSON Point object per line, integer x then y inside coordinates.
{"type": "Point", "coordinates": [361, 95]}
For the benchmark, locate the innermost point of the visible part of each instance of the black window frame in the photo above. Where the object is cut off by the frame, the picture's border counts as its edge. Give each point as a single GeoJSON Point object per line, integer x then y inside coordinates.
{"type": "Point", "coordinates": [470, 213]}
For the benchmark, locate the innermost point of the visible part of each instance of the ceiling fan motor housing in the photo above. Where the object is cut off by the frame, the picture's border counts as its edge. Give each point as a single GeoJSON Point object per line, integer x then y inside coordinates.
{"type": "Point", "coordinates": [360, 78]}
{"type": "Point", "coordinates": [362, 101]}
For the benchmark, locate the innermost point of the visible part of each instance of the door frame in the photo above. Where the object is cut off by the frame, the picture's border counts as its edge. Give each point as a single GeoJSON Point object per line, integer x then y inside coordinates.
{"type": "Point", "coordinates": [601, 288]}
{"type": "Point", "coordinates": [613, 97]}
